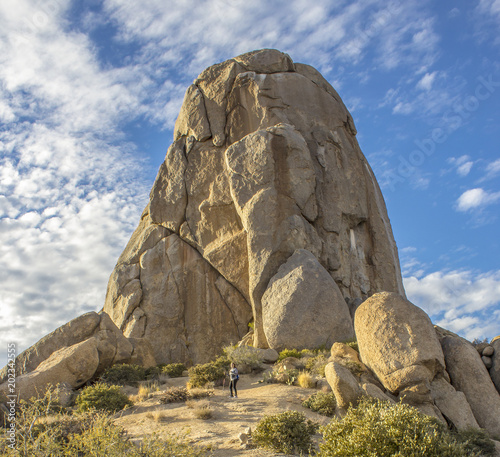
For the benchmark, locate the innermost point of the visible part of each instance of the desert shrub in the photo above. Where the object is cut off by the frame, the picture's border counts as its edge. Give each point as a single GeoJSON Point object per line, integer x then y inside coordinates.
{"type": "Point", "coordinates": [286, 432]}
{"type": "Point", "coordinates": [305, 380]}
{"type": "Point", "coordinates": [170, 446]}
{"type": "Point", "coordinates": [289, 353]}
{"type": "Point", "coordinates": [244, 355]}
{"type": "Point", "coordinates": [316, 365]}
{"type": "Point", "coordinates": [174, 370]}
{"type": "Point", "coordinates": [354, 367]}
{"type": "Point", "coordinates": [385, 429]}
{"type": "Point", "coordinates": [201, 409]}
{"type": "Point", "coordinates": [476, 442]}
{"type": "Point", "coordinates": [122, 374]}
{"type": "Point", "coordinates": [174, 395]}
{"type": "Point", "coordinates": [280, 374]}
{"type": "Point", "coordinates": [102, 397]}
{"type": "Point", "coordinates": [200, 375]}
{"type": "Point", "coordinates": [323, 403]}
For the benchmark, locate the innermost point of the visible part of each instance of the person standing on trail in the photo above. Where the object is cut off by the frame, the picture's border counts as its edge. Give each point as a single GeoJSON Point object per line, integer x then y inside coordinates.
{"type": "Point", "coordinates": [233, 379]}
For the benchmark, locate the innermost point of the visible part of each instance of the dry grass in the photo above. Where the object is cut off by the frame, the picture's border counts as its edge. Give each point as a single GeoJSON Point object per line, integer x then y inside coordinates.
{"type": "Point", "coordinates": [306, 381]}
{"type": "Point", "coordinates": [157, 415]}
{"type": "Point", "coordinates": [201, 409]}
{"type": "Point", "coordinates": [198, 392]}
{"type": "Point", "coordinates": [145, 391]}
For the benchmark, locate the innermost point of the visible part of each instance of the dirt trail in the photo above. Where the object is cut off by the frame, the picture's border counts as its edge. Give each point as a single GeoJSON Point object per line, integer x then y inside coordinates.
{"type": "Point", "coordinates": [231, 416]}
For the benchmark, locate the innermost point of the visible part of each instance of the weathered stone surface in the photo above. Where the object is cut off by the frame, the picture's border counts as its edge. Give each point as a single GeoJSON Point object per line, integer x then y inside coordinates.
{"type": "Point", "coordinates": [371, 390]}
{"type": "Point", "coordinates": [495, 363]}
{"type": "Point", "coordinates": [302, 295]}
{"type": "Point", "coordinates": [269, 355]}
{"type": "Point", "coordinates": [488, 351]}
{"type": "Point", "coordinates": [282, 172]}
{"type": "Point", "coordinates": [72, 365]}
{"type": "Point", "coordinates": [488, 362]}
{"type": "Point", "coordinates": [397, 341]}
{"type": "Point", "coordinates": [143, 353]}
{"type": "Point", "coordinates": [184, 315]}
{"type": "Point", "coordinates": [469, 375]}
{"type": "Point", "coordinates": [452, 404]}
{"type": "Point", "coordinates": [75, 331]}
{"type": "Point", "coordinates": [344, 385]}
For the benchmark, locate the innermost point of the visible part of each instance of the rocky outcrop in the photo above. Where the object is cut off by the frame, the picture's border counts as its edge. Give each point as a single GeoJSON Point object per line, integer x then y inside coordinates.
{"type": "Point", "coordinates": [75, 353]}
{"type": "Point", "coordinates": [469, 375]}
{"type": "Point", "coordinates": [344, 385]}
{"type": "Point", "coordinates": [264, 162]}
{"type": "Point", "coordinates": [303, 295]}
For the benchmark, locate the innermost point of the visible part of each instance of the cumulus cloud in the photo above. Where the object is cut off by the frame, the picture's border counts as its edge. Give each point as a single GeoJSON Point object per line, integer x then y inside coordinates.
{"type": "Point", "coordinates": [427, 80]}
{"type": "Point", "coordinates": [461, 301]}
{"type": "Point", "coordinates": [462, 164]}
{"type": "Point", "coordinates": [476, 198]}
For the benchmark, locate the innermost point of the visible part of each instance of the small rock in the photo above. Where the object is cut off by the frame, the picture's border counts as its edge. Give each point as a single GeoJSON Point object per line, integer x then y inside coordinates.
{"type": "Point", "coordinates": [480, 347]}
{"type": "Point", "coordinates": [488, 351]}
{"type": "Point", "coordinates": [488, 363]}
{"type": "Point", "coordinates": [243, 437]}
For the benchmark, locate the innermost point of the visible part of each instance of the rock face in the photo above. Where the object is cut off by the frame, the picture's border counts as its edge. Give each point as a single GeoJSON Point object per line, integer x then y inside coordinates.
{"type": "Point", "coordinates": [495, 363]}
{"type": "Point", "coordinates": [264, 162]}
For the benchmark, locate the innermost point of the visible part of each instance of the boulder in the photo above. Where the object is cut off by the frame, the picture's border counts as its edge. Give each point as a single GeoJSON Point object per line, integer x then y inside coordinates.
{"type": "Point", "coordinates": [344, 385]}
{"type": "Point", "coordinates": [469, 375]}
{"type": "Point", "coordinates": [495, 363]}
{"type": "Point", "coordinates": [371, 390]}
{"type": "Point", "coordinates": [397, 342]}
{"type": "Point", "coordinates": [452, 404]}
{"type": "Point", "coordinates": [488, 351]}
{"type": "Point", "coordinates": [264, 162]}
{"type": "Point", "coordinates": [73, 366]}
{"type": "Point", "coordinates": [303, 295]}
{"type": "Point", "coordinates": [269, 355]}
{"type": "Point", "coordinates": [75, 331]}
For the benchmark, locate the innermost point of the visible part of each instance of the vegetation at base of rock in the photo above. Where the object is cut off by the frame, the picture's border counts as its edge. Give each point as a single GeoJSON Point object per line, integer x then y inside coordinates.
{"type": "Point", "coordinates": [288, 432]}
{"type": "Point", "coordinates": [201, 375]}
{"type": "Point", "coordinates": [244, 355]}
{"type": "Point", "coordinates": [316, 365]}
{"type": "Point", "coordinates": [385, 429]}
{"type": "Point", "coordinates": [305, 380]}
{"type": "Point", "coordinates": [100, 396]}
{"type": "Point", "coordinates": [174, 370]}
{"type": "Point", "coordinates": [123, 374]}
{"type": "Point", "coordinates": [323, 403]}
{"type": "Point", "coordinates": [282, 375]}
{"type": "Point", "coordinates": [476, 442]}
{"type": "Point", "coordinates": [289, 353]}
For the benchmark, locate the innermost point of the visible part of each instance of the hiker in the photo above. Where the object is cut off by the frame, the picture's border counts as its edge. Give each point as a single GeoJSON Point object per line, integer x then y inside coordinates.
{"type": "Point", "coordinates": [233, 379]}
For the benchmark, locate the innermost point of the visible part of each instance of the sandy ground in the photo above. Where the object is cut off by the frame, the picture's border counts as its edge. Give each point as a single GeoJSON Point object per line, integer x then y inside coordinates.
{"type": "Point", "coordinates": [231, 416]}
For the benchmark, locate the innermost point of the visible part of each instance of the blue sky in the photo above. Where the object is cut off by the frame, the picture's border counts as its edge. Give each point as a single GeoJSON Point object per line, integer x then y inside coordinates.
{"type": "Point", "coordinates": [89, 93]}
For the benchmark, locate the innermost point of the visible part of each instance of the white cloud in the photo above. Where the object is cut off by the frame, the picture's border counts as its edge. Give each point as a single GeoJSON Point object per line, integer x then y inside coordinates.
{"type": "Point", "coordinates": [462, 164]}
{"type": "Point", "coordinates": [476, 198]}
{"type": "Point", "coordinates": [461, 301]}
{"type": "Point", "coordinates": [427, 80]}
{"type": "Point", "coordinates": [67, 206]}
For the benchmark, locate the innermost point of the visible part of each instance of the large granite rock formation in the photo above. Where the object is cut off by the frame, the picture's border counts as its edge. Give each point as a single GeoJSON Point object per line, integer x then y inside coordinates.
{"type": "Point", "coordinates": [264, 162]}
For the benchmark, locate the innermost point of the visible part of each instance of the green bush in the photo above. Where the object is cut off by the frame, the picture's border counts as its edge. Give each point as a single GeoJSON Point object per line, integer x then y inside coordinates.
{"type": "Point", "coordinates": [289, 353]}
{"type": "Point", "coordinates": [102, 397]}
{"type": "Point", "coordinates": [323, 403]}
{"type": "Point", "coordinates": [384, 429]}
{"type": "Point", "coordinates": [286, 432]}
{"type": "Point", "coordinates": [123, 374]}
{"type": "Point", "coordinates": [201, 375]}
{"type": "Point", "coordinates": [280, 374]}
{"type": "Point", "coordinates": [317, 364]}
{"type": "Point", "coordinates": [174, 370]}
{"type": "Point", "coordinates": [476, 442]}
{"type": "Point", "coordinates": [244, 355]}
